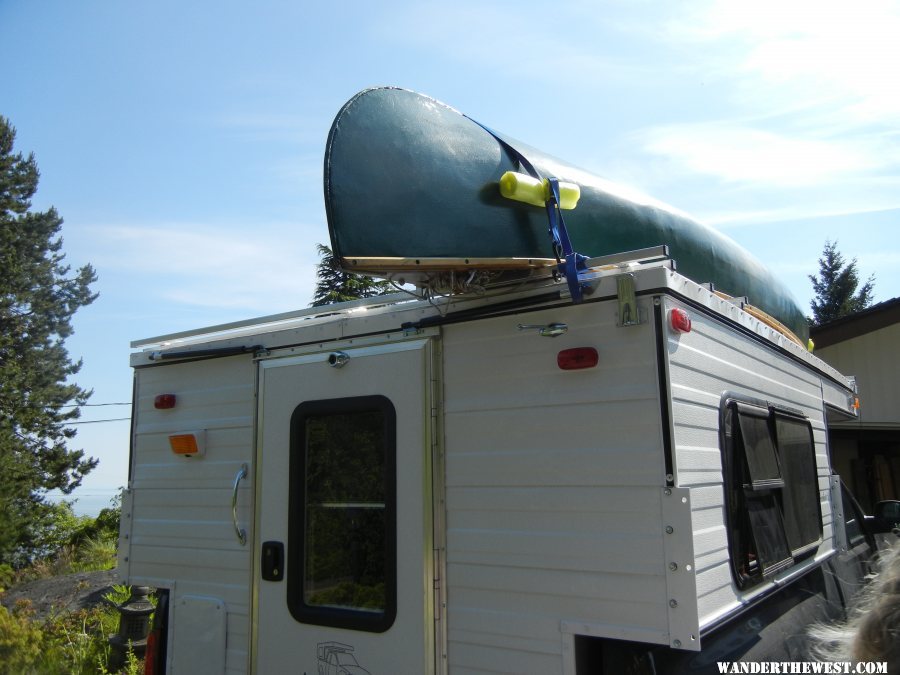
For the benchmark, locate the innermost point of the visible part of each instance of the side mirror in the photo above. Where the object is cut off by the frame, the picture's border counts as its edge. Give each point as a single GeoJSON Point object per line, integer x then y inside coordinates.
{"type": "Point", "coordinates": [886, 516]}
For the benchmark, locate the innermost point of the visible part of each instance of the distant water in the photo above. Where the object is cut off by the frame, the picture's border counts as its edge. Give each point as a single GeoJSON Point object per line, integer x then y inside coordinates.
{"type": "Point", "coordinates": [88, 504]}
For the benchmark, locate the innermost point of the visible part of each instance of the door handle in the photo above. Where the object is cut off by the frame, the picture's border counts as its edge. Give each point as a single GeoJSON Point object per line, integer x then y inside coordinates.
{"type": "Point", "coordinates": [272, 561]}
{"type": "Point", "coordinates": [240, 532]}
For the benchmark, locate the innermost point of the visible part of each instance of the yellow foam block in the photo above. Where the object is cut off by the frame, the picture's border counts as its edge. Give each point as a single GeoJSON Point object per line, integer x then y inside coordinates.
{"type": "Point", "coordinates": [524, 188]}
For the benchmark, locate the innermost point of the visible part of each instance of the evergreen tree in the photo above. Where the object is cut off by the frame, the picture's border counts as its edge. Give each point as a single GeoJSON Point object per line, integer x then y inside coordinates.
{"type": "Point", "coordinates": [38, 296]}
{"type": "Point", "coordinates": [836, 287]}
{"type": "Point", "coordinates": [336, 285]}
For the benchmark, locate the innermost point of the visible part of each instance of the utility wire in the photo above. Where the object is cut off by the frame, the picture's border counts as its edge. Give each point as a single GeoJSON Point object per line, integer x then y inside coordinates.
{"type": "Point", "coordinates": [83, 494]}
{"type": "Point", "coordinates": [114, 419]}
{"type": "Point", "coordinates": [74, 405]}
{"type": "Point", "coordinates": [91, 405]}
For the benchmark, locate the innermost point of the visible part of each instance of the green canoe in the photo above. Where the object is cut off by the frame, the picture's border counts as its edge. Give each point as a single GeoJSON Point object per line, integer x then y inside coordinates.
{"type": "Point", "coordinates": [411, 183]}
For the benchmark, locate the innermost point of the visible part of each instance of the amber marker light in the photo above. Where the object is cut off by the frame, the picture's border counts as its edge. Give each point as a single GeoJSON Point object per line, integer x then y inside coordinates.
{"type": "Point", "coordinates": [187, 445]}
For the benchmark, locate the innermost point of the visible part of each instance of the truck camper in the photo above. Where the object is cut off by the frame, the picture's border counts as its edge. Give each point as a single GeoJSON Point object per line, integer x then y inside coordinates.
{"type": "Point", "coordinates": [523, 466]}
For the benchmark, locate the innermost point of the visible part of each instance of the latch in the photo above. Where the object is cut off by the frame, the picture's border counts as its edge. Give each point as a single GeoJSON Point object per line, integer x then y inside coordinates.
{"type": "Point", "coordinates": [272, 563]}
{"type": "Point", "coordinates": [548, 330]}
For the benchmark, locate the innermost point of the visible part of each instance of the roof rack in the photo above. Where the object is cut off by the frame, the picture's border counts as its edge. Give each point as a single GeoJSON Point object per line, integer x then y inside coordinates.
{"type": "Point", "coordinates": [303, 314]}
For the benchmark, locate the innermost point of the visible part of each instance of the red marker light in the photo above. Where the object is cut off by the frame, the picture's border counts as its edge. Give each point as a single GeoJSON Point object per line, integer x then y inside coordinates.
{"type": "Point", "coordinates": [164, 402]}
{"type": "Point", "coordinates": [577, 358]}
{"type": "Point", "coordinates": [680, 321]}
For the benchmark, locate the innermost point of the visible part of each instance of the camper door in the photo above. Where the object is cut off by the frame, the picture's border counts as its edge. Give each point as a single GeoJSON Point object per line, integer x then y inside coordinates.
{"type": "Point", "coordinates": [343, 567]}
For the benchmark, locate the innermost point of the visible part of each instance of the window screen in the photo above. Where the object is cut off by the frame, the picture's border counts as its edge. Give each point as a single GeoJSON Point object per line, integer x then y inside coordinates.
{"type": "Point", "coordinates": [800, 497]}
{"type": "Point", "coordinates": [759, 450]}
{"type": "Point", "coordinates": [772, 551]}
{"type": "Point", "coordinates": [342, 549]}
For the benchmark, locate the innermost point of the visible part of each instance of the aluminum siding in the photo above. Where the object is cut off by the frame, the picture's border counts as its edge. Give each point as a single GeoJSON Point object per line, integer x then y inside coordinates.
{"type": "Point", "coordinates": [553, 489]}
{"type": "Point", "coordinates": [182, 537]}
{"type": "Point", "coordinates": [704, 364]}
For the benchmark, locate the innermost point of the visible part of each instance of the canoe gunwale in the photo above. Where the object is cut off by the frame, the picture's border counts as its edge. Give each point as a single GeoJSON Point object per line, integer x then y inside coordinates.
{"type": "Point", "coordinates": [376, 265]}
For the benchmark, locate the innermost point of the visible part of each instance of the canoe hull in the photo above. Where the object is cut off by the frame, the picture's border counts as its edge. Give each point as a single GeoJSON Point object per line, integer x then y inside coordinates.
{"type": "Point", "coordinates": [411, 182]}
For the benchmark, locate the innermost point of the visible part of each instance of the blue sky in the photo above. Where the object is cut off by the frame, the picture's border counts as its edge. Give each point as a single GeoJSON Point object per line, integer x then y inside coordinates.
{"type": "Point", "coordinates": [183, 142]}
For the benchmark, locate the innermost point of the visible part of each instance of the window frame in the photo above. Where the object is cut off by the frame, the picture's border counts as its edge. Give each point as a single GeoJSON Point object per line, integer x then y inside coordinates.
{"type": "Point", "coordinates": [336, 617]}
{"type": "Point", "coordinates": [748, 534]}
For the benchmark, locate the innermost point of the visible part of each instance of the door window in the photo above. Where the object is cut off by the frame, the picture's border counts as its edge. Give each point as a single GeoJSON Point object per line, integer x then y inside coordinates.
{"type": "Point", "coordinates": [342, 513]}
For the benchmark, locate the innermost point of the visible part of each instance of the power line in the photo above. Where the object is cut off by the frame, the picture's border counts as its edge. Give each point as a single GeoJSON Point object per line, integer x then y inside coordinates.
{"type": "Point", "coordinates": [90, 405]}
{"type": "Point", "coordinates": [84, 494]}
{"type": "Point", "coordinates": [114, 419]}
{"type": "Point", "coordinates": [74, 405]}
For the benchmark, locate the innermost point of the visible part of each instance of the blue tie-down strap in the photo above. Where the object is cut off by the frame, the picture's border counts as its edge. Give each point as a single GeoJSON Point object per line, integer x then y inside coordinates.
{"type": "Point", "coordinates": [570, 263]}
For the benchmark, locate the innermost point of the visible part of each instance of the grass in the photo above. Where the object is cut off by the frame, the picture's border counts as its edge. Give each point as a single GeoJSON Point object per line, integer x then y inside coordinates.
{"type": "Point", "coordinates": [93, 554]}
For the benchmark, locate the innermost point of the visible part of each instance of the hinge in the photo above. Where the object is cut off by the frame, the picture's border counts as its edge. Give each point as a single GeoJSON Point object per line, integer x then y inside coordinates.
{"type": "Point", "coordinates": [438, 601]}
{"type": "Point", "coordinates": [629, 312]}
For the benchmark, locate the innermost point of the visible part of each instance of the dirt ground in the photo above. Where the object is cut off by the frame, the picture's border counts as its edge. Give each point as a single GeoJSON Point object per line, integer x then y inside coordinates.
{"type": "Point", "coordinates": [63, 593]}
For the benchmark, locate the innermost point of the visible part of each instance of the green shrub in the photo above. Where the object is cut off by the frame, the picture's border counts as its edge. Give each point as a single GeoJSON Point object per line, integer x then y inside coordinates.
{"type": "Point", "coordinates": [85, 554]}
{"type": "Point", "coordinates": [107, 520]}
{"type": "Point", "coordinates": [79, 639]}
{"type": "Point", "coordinates": [21, 641]}
{"type": "Point", "coordinates": [119, 594]}
{"type": "Point", "coordinates": [95, 553]}
{"type": "Point", "coordinates": [7, 577]}
{"type": "Point", "coordinates": [73, 643]}
{"type": "Point", "coordinates": [54, 527]}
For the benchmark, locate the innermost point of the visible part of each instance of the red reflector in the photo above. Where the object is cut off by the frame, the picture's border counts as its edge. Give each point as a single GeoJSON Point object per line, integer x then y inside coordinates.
{"type": "Point", "coordinates": [577, 358]}
{"type": "Point", "coordinates": [150, 655]}
{"type": "Point", "coordinates": [164, 401]}
{"type": "Point", "coordinates": [681, 322]}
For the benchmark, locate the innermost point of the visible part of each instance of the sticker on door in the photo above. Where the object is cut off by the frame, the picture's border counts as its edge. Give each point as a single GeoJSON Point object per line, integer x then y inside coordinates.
{"type": "Point", "coordinates": [336, 658]}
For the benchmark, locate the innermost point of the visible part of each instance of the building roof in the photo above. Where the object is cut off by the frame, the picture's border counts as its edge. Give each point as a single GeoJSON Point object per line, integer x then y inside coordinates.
{"type": "Point", "coordinates": [882, 315]}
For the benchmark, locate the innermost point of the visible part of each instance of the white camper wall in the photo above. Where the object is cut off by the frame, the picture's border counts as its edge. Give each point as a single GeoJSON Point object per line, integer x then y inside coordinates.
{"type": "Point", "coordinates": [182, 527]}
{"type": "Point", "coordinates": [704, 364]}
{"type": "Point", "coordinates": [553, 489]}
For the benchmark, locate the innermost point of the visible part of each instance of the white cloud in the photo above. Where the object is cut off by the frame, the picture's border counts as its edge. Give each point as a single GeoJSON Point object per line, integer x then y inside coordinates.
{"type": "Point", "coordinates": [736, 152]}
{"type": "Point", "coordinates": [798, 211]}
{"type": "Point", "coordinates": [298, 172]}
{"type": "Point", "coordinates": [875, 260]}
{"type": "Point", "coordinates": [201, 265]}
{"type": "Point", "coordinates": [272, 126]}
{"type": "Point", "coordinates": [518, 43]}
{"type": "Point", "coordinates": [806, 105]}
{"type": "Point", "coordinates": [804, 51]}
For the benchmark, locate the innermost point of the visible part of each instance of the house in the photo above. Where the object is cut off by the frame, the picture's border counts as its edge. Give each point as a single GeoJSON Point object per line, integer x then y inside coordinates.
{"type": "Point", "coordinates": [866, 451]}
